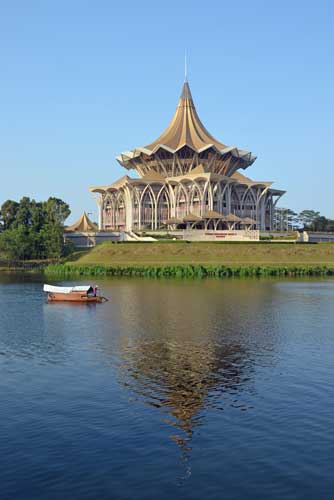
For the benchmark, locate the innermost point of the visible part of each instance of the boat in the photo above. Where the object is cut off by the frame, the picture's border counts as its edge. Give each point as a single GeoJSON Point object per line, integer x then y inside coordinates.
{"type": "Point", "coordinates": [84, 294]}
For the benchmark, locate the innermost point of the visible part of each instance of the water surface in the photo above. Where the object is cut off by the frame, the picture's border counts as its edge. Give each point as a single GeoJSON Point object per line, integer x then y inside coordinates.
{"type": "Point", "coordinates": [184, 389]}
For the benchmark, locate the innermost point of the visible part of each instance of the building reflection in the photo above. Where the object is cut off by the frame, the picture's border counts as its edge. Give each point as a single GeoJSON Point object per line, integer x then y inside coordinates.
{"type": "Point", "coordinates": [185, 382]}
{"type": "Point", "coordinates": [184, 348]}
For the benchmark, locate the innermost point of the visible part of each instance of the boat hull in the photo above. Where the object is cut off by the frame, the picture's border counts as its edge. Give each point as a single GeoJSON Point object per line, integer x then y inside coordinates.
{"type": "Point", "coordinates": [73, 297]}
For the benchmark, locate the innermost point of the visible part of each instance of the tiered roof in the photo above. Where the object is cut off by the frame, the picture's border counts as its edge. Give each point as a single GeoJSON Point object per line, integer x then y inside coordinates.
{"type": "Point", "coordinates": [185, 130]}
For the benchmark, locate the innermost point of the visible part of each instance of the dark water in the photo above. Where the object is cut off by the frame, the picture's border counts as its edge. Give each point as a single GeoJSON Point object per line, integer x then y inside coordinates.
{"type": "Point", "coordinates": [189, 390]}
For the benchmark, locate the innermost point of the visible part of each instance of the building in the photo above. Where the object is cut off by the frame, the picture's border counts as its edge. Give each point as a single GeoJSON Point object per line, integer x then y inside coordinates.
{"type": "Point", "coordinates": [186, 180]}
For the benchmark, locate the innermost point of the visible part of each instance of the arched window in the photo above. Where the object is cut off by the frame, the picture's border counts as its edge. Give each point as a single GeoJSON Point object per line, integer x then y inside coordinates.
{"type": "Point", "coordinates": [206, 200]}
{"type": "Point", "coordinates": [163, 209]}
{"type": "Point", "coordinates": [248, 204]}
{"type": "Point", "coordinates": [235, 202]}
{"type": "Point", "coordinates": [216, 198]}
{"type": "Point", "coordinates": [147, 210]}
{"type": "Point", "coordinates": [181, 201]}
{"type": "Point", "coordinates": [195, 200]}
{"type": "Point", "coordinates": [120, 212]}
{"type": "Point", "coordinates": [224, 198]}
{"type": "Point", "coordinates": [109, 211]}
{"type": "Point", "coordinates": [135, 208]}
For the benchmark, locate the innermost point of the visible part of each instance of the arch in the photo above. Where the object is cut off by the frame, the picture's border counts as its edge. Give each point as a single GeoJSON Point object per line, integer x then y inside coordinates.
{"type": "Point", "coordinates": [225, 198]}
{"type": "Point", "coordinates": [135, 200]}
{"type": "Point", "coordinates": [221, 225]}
{"type": "Point", "coordinates": [248, 203]}
{"type": "Point", "coordinates": [109, 211]}
{"type": "Point", "coordinates": [181, 201]}
{"type": "Point", "coordinates": [260, 207]}
{"type": "Point", "coordinates": [217, 197]}
{"type": "Point", "coordinates": [147, 208]}
{"type": "Point", "coordinates": [195, 199]}
{"type": "Point", "coordinates": [207, 201]}
{"type": "Point", "coordinates": [235, 201]}
{"type": "Point", "coordinates": [269, 210]}
{"type": "Point", "coordinates": [210, 225]}
{"type": "Point", "coordinates": [163, 206]}
{"type": "Point", "coordinates": [120, 211]}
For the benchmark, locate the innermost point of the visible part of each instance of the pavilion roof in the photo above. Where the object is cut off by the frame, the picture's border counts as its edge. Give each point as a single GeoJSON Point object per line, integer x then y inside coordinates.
{"type": "Point", "coordinates": [248, 220]}
{"type": "Point", "coordinates": [212, 214]}
{"type": "Point", "coordinates": [173, 220]}
{"type": "Point", "coordinates": [232, 218]}
{"type": "Point", "coordinates": [82, 225]}
{"type": "Point", "coordinates": [192, 218]}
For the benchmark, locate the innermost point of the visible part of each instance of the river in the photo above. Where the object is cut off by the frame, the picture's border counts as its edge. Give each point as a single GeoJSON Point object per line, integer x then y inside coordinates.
{"type": "Point", "coordinates": [173, 389]}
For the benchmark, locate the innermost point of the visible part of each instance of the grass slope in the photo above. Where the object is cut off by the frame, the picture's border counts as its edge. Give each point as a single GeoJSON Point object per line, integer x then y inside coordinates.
{"type": "Point", "coordinates": [198, 253]}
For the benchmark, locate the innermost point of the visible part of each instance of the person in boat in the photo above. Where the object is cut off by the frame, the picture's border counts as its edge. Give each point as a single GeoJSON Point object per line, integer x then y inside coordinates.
{"type": "Point", "coordinates": [95, 290]}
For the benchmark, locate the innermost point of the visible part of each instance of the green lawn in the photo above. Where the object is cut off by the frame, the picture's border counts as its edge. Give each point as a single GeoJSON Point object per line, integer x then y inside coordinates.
{"type": "Point", "coordinates": [182, 253]}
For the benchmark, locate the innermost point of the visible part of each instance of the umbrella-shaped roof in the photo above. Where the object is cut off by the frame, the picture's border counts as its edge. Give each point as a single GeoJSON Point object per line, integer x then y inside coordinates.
{"type": "Point", "coordinates": [212, 214]}
{"type": "Point", "coordinates": [186, 127]}
{"type": "Point", "coordinates": [185, 130]}
{"type": "Point", "coordinates": [173, 220]}
{"type": "Point", "coordinates": [248, 220]}
{"type": "Point", "coordinates": [192, 218]}
{"type": "Point", "coordinates": [232, 218]}
{"type": "Point", "coordinates": [82, 225]}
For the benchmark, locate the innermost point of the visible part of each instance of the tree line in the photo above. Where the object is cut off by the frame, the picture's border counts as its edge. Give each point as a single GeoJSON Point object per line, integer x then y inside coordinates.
{"type": "Point", "coordinates": [308, 220]}
{"type": "Point", "coordinates": [33, 230]}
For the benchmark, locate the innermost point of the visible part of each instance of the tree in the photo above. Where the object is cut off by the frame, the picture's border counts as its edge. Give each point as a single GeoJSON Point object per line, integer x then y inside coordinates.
{"type": "Point", "coordinates": [56, 210]}
{"type": "Point", "coordinates": [307, 217]}
{"type": "Point", "coordinates": [323, 224]}
{"type": "Point", "coordinates": [33, 230]}
{"type": "Point", "coordinates": [23, 215]}
{"type": "Point", "coordinates": [53, 240]}
{"type": "Point", "coordinates": [8, 214]}
{"type": "Point", "coordinates": [285, 219]}
{"type": "Point", "coordinates": [292, 219]}
{"type": "Point", "coordinates": [15, 244]}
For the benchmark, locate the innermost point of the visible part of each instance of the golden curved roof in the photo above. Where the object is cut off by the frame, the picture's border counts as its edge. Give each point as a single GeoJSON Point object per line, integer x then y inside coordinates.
{"type": "Point", "coordinates": [82, 225]}
{"type": "Point", "coordinates": [185, 130]}
{"type": "Point", "coordinates": [186, 127]}
{"type": "Point", "coordinates": [212, 214]}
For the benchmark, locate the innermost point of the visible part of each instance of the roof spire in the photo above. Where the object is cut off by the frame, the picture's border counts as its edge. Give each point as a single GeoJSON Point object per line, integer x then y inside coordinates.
{"type": "Point", "coordinates": [185, 66]}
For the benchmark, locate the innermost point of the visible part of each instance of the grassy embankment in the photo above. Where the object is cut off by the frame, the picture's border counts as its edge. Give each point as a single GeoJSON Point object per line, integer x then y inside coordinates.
{"type": "Point", "coordinates": [201, 259]}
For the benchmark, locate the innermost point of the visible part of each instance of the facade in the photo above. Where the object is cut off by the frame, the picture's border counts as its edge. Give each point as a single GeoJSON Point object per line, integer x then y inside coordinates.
{"type": "Point", "coordinates": [186, 180]}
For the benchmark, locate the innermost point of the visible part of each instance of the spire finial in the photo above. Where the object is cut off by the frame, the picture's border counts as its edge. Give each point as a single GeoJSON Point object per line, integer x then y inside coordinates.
{"type": "Point", "coordinates": [185, 66]}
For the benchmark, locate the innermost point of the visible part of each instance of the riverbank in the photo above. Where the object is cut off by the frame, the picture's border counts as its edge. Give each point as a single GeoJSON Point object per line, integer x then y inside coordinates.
{"type": "Point", "coordinates": [197, 259]}
{"type": "Point", "coordinates": [181, 253]}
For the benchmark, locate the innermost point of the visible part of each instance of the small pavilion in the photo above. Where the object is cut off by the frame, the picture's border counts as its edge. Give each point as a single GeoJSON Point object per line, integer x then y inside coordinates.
{"type": "Point", "coordinates": [82, 225]}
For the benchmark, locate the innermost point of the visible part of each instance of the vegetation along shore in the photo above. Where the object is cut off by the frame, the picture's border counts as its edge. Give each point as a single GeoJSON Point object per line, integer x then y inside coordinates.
{"type": "Point", "coordinates": [182, 259]}
{"type": "Point", "coordinates": [187, 271]}
{"type": "Point", "coordinates": [196, 259]}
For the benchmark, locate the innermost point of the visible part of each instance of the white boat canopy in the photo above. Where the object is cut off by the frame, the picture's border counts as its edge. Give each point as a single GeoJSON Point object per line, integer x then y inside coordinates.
{"type": "Point", "coordinates": [66, 289]}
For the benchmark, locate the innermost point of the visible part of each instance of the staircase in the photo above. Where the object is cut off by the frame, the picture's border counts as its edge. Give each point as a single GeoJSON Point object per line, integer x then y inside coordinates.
{"type": "Point", "coordinates": [131, 236]}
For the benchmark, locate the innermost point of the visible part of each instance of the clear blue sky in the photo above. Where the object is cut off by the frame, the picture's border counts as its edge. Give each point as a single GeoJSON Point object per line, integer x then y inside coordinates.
{"type": "Point", "coordinates": [82, 81]}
